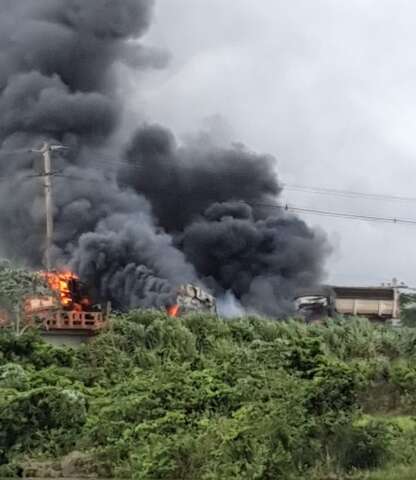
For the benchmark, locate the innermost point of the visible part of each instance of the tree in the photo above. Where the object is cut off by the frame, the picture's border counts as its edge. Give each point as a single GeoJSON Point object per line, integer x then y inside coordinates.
{"type": "Point", "coordinates": [15, 285]}
{"type": "Point", "coordinates": [408, 309]}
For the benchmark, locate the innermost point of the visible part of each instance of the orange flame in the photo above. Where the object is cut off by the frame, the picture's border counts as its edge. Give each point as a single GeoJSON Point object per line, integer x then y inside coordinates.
{"type": "Point", "coordinates": [61, 283]}
{"type": "Point", "coordinates": [173, 310]}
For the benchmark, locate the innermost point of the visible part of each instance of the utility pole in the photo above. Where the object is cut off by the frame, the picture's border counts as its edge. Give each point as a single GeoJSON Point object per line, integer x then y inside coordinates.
{"type": "Point", "coordinates": [47, 186]}
{"type": "Point", "coordinates": [47, 174]}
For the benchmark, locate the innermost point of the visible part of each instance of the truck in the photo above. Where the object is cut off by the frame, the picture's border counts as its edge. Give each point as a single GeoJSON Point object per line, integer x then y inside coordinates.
{"type": "Point", "coordinates": [380, 304]}
{"type": "Point", "coordinates": [192, 298]}
{"type": "Point", "coordinates": [61, 305]}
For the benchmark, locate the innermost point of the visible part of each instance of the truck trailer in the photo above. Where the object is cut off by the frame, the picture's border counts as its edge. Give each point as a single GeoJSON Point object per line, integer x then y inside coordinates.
{"type": "Point", "coordinates": [381, 304]}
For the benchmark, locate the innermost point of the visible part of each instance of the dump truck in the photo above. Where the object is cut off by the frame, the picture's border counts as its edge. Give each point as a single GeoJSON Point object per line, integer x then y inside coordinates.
{"type": "Point", "coordinates": [375, 303]}
{"type": "Point", "coordinates": [314, 304]}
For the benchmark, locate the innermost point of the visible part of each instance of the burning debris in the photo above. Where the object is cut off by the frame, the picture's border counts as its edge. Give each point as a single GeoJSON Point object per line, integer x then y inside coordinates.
{"type": "Point", "coordinates": [67, 286]}
{"type": "Point", "coordinates": [133, 222]}
{"type": "Point", "coordinates": [55, 301]}
{"type": "Point", "coordinates": [191, 298]}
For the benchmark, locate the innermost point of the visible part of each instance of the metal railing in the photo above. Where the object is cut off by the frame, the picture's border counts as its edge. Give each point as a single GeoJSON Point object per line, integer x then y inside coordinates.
{"type": "Point", "coordinates": [62, 320]}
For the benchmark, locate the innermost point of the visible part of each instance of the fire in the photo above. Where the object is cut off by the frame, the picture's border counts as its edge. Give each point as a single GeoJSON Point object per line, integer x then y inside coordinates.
{"type": "Point", "coordinates": [66, 285]}
{"type": "Point", "coordinates": [173, 310]}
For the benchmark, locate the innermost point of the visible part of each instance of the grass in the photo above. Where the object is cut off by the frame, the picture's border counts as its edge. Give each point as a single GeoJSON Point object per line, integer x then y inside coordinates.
{"type": "Point", "coordinates": [404, 422]}
{"type": "Point", "coordinates": [394, 473]}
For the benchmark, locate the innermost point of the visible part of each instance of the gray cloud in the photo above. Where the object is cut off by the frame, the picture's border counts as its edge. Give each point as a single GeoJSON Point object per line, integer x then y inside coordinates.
{"type": "Point", "coordinates": [137, 221]}
{"type": "Point", "coordinates": [326, 87]}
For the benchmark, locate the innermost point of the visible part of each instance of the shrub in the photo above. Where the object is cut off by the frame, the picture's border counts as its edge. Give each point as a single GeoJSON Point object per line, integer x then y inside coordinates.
{"type": "Point", "coordinates": [363, 447]}
{"type": "Point", "coordinates": [27, 418]}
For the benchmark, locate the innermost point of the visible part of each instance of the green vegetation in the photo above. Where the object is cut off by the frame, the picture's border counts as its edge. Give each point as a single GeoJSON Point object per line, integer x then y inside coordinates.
{"type": "Point", "coordinates": [394, 473]}
{"type": "Point", "coordinates": [408, 309]}
{"type": "Point", "coordinates": [203, 398]}
{"type": "Point", "coordinates": [16, 284]}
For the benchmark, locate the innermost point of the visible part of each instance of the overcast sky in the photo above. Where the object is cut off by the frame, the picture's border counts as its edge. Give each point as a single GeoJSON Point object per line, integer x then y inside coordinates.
{"type": "Point", "coordinates": [328, 87]}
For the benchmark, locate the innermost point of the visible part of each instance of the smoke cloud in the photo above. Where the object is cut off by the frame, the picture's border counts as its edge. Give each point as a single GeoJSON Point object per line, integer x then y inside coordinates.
{"type": "Point", "coordinates": [139, 222]}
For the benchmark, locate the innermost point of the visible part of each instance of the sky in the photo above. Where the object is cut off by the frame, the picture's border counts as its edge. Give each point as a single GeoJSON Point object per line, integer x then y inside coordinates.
{"type": "Point", "coordinates": [327, 87]}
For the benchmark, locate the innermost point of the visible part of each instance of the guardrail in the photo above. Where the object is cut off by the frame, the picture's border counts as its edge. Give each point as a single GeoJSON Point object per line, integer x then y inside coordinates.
{"type": "Point", "coordinates": [62, 320]}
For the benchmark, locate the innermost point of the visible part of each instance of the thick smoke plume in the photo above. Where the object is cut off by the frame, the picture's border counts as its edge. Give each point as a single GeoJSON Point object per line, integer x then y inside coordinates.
{"type": "Point", "coordinates": [139, 222]}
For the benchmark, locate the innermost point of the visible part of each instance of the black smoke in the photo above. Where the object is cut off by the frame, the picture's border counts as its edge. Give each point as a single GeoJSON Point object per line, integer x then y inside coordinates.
{"type": "Point", "coordinates": [181, 182]}
{"type": "Point", "coordinates": [134, 223]}
{"type": "Point", "coordinates": [212, 201]}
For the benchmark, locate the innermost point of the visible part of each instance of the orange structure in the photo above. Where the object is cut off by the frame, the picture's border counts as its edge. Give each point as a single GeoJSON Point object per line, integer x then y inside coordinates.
{"type": "Point", "coordinates": [66, 308]}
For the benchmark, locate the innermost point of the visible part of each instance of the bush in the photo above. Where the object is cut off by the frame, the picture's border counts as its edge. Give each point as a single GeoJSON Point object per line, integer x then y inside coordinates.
{"type": "Point", "coordinates": [27, 419]}
{"type": "Point", "coordinates": [13, 376]}
{"type": "Point", "coordinates": [204, 398]}
{"type": "Point", "coordinates": [363, 447]}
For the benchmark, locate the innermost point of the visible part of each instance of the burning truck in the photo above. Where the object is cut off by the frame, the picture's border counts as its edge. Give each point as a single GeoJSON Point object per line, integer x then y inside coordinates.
{"type": "Point", "coordinates": [191, 298]}
{"type": "Point", "coordinates": [59, 302]}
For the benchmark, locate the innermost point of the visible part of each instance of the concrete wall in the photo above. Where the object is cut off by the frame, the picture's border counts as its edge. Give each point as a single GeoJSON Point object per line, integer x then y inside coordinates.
{"type": "Point", "coordinates": [62, 339]}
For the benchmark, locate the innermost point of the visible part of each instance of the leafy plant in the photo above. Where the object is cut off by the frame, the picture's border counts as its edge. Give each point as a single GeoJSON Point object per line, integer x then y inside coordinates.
{"type": "Point", "coordinates": [205, 398]}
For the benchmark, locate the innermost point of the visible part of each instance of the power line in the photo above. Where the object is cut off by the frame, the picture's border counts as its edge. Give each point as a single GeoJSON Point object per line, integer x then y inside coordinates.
{"type": "Point", "coordinates": [346, 215]}
{"type": "Point", "coordinates": [301, 188]}
{"type": "Point", "coordinates": [287, 186]}
{"type": "Point", "coordinates": [19, 151]}
{"type": "Point", "coordinates": [346, 193]}
{"type": "Point", "coordinates": [328, 191]}
{"type": "Point", "coordinates": [23, 177]}
{"type": "Point", "coordinates": [353, 216]}
{"type": "Point", "coordinates": [286, 207]}
{"type": "Point", "coordinates": [301, 210]}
